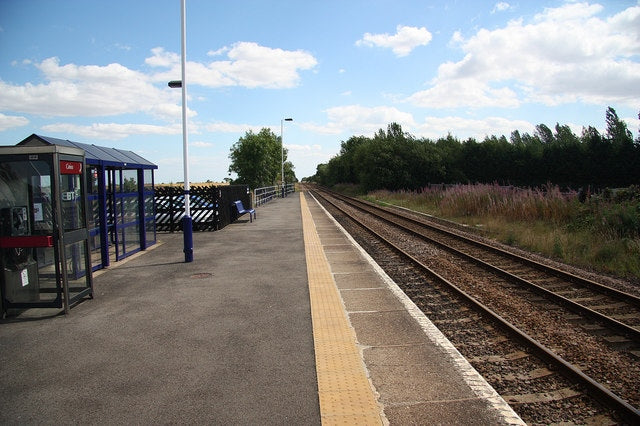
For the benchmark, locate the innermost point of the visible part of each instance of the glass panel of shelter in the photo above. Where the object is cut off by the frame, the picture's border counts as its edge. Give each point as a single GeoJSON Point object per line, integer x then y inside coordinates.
{"type": "Point", "coordinates": [93, 195]}
{"type": "Point", "coordinates": [149, 207]}
{"type": "Point", "coordinates": [113, 186]}
{"type": "Point", "coordinates": [76, 262]}
{"type": "Point", "coordinates": [125, 213]}
{"type": "Point", "coordinates": [43, 224]}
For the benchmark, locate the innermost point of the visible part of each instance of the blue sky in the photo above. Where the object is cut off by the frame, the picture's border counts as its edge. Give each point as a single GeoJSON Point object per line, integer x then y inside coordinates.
{"type": "Point", "coordinates": [97, 72]}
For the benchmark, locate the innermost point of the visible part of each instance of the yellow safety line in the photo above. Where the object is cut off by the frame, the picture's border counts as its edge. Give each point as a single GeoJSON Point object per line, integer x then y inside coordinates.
{"type": "Point", "coordinates": [346, 396]}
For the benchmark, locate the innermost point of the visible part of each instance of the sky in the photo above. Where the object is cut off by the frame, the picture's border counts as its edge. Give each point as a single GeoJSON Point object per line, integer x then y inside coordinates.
{"type": "Point", "coordinates": [97, 71]}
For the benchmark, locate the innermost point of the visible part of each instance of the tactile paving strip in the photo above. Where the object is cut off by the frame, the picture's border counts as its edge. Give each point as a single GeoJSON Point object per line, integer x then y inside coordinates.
{"type": "Point", "coordinates": [345, 393]}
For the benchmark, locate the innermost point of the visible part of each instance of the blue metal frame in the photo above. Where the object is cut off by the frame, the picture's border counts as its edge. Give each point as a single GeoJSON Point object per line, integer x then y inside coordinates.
{"type": "Point", "coordinates": [109, 163]}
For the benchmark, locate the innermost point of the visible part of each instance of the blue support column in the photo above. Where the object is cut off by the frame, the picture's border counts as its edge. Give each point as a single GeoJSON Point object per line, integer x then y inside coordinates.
{"type": "Point", "coordinates": [102, 206]}
{"type": "Point", "coordinates": [142, 228]}
{"type": "Point", "coordinates": [187, 230]}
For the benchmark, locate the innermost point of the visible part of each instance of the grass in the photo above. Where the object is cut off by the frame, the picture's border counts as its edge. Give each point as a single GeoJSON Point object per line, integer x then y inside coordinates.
{"type": "Point", "coordinates": [597, 232]}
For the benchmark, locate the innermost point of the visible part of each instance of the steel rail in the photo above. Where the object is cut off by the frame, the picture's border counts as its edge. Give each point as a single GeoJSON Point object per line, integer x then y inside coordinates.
{"type": "Point", "coordinates": [621, 295]}
{"type": "Point", "coordinates": [613, 323]}
{"type": "Point", "coordinates": [595, 389]}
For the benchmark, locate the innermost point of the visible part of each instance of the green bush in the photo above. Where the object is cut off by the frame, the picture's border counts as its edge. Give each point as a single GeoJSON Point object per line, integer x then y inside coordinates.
{"type": "Point", "coordinates": [601, 231]}
{"type": "Point", "coordinates": [621, 221]}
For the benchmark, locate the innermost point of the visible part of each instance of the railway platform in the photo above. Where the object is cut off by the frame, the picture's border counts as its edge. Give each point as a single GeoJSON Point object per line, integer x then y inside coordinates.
{"type": "Point", "coordinates": [281, 321]}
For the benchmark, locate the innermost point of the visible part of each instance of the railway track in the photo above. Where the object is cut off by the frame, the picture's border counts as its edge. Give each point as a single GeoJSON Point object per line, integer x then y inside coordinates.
{"type": "Point", "coordinates": [619, 311]}
{"type": "Point", "coordinates": [556, 346]}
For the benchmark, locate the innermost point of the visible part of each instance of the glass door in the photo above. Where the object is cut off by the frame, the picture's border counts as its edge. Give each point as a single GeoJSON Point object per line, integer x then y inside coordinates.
{"type": "Point", "coordinates": [76, 254]}
{"type": "Point", "coordinates": [96, 209]}
{"type": "Point", "coordinates": [28, 257]}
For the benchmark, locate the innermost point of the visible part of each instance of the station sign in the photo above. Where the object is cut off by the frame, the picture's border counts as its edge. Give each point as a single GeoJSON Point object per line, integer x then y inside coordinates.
{"type": "Point", "coordinates": [70, 167]}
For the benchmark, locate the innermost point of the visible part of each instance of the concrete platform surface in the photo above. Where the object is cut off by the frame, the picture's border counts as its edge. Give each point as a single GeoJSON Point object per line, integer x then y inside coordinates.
{"type": "Point", "coordinates": [254, 331]}
{"type": "Point", "coordinates": [226, 339]}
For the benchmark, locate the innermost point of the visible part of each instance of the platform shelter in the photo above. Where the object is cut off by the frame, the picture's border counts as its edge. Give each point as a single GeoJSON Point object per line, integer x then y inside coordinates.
{"type": "Point", "coordinates": [120, 190]}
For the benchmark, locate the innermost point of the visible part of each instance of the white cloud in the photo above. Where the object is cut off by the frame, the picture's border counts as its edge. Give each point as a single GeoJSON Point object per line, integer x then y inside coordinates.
{"type": "Point", "coordinates": [252, 65]}
{"type": "Point", "coordinates": [633, 124]}
{"type": "Point", "coordinates": [361, 120]}
{"type": "Point", "coordinates": [11, 121]}
{"type": "Point", "coordinates": [249, 65]}
{"type": "Point", "coordinates": [220, 127]}
{"type": "Point", "coordinates": [71, 90]}
{"type": "Point", "coordinates": [469, 92]}
{"type": "Point", "coordinates": [201, 144]}
{"type": "Point", "coordinates": [566, 54]}
{"type": "Point", "coordinates": [401, 43]}
{"type": "Point", "coordinates": [201, 168]}
{"type": "Point", "coordinates": [501, 7]}
{"type": "Point", "coordinates": [112, 131]}
{"type": "Point", "coordinates": [462, 128]}
{"type": "Point", "coordinates": [161, 58]}
{"type": "Point", "coordinates": [322, 129]}
{"type": "Point", "coordinates": [301, 148]}
{"type": "Point", "coordinates": [23, 62]}
{"type": "Point", "coordinates": [121, 46]}
{"type": "Point", "coordinates": [89, 90]}
{"type": "Point", "coordinates": [218, 52]}
{"type": "Point", "coordinates": [569, 12]}
{"type": "Point", "coordinates": [305, 158]}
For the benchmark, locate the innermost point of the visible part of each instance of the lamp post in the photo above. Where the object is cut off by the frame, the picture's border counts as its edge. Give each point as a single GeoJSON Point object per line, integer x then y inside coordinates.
{"type": "Point", "coordinates": [284, 188]}
{"type": "Point", "coordinates": [187, 224]}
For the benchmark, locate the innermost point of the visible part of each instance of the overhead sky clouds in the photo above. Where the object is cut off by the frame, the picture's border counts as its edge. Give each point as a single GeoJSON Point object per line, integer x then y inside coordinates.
{"type": "Point", "coordinates": [561, 56]}
{"type": "Point", "coordinates": [245, 64]}
{"type": "Point", "coordinates": [83, 71]}
{"type": "Point", "coordinates": [401, 43]}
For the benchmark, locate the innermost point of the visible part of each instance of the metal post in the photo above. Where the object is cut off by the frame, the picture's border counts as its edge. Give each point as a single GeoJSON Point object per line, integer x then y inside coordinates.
{"type": "Point", "coordinates": [187, 225]}
{"type": "Point", "coordinates": [284, 188]}
{"type": "Point", "coordinates": [282, 154]}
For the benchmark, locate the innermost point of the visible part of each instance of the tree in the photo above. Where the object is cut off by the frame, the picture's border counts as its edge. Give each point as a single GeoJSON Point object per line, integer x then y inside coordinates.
{"type": "Point", "coordinates": [346, 166]}
{"type": "Point", "coordinates": [450, 154]}
{"type": "Point", "coordinates": [390, 161]}
{"type": "Point", "coordinates": [624, 153]}
{"type": "Point", "coordinates": [256, 157]}
{"type": "Point", "coordinates": [393, 159]}
{"type": "Point", "coordinates": [289, 174]}
{"type": "Point", "coordinates": [617, 130]}
{"type": "Point", "coordinates": [544, 133]}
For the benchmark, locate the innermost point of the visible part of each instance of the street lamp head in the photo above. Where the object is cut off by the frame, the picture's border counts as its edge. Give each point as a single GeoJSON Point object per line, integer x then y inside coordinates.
{"type": "Point", "coordinates": [288, 119]}
{"type": "Point", "coordinates": [175, 84]}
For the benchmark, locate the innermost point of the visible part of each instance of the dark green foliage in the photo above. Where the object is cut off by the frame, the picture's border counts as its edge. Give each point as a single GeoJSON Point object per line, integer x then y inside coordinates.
{"type": "Point", "coordinates": [396, 160]}
{"type": "Point", "coordinates": [611, 214]}
{"type": "Point", "coordinates": [256, 159]}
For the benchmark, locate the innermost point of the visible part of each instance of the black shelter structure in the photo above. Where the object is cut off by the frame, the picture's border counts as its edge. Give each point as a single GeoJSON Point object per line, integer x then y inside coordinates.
{"type": "Point", "coordinates": [120, 192]}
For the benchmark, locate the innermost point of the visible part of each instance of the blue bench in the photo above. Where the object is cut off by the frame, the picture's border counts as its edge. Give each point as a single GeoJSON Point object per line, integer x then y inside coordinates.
{"type": "Point", "coordinates": [242, 210]}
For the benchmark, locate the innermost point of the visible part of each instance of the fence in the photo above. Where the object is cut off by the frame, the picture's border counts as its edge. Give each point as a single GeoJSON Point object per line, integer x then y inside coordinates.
{"type": "Point", "coordinates": [210, 206]}
{"type": "Point", "coordinates": [264, 195]}
{"type": "Point", "coordinates": [289, 188]}
{"type": "Point", "coordinates": [267, 193]}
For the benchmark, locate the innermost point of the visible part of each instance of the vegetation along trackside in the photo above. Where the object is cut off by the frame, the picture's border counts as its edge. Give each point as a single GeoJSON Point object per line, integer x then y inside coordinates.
{"type": "Point", "coordinates": [574, 198]}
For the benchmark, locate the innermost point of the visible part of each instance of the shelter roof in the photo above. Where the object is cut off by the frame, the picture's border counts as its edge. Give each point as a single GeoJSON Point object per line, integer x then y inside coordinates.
{"type": "Point", "coordinates": [95, 154]}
